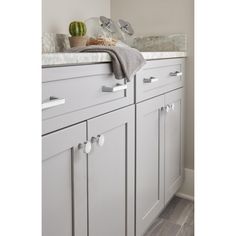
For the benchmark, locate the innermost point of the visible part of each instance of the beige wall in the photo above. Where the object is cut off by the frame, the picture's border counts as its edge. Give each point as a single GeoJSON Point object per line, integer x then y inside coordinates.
{"type": "Point", "coordinates": [153, 17]}
{"type": "Point", "coordinates": [57, 14]}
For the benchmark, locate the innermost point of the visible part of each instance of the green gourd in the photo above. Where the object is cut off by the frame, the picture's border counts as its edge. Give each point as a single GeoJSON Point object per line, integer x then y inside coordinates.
{"type": "Point", "coordinates": [77, 28]}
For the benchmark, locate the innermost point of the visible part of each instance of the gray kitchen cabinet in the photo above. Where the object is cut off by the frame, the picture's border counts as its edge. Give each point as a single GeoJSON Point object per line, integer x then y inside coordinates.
{"type": "Point", "coordinates": [111, 174]}
{"type": "Point", "coordinates": [159, 137]}
{"type": "Point", "coordinates": [174, 162]}
{"type": "Point", "coordinates": [149, 162]}
{"type": "Point", "coordinates": [159, 155]}
{"type": "Point", "coordinates": [93, 193]}
{"type": "Point", "coordinates": [60, 156]}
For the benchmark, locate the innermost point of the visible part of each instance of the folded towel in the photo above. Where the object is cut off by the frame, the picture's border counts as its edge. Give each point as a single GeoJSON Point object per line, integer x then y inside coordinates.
{"type": "Point", "coordinates": [125, 61]}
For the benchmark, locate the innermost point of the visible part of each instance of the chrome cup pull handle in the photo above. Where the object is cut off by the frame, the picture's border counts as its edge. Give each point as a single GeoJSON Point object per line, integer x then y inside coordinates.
{"type": "Point", "coordinates": [116, 88]}
{"type": "Point", "coordinates": [176, 73]}
{"type": "Point", "coordinates": [150, 80]}
{"type": "Point", "coordinates": [53, 102]}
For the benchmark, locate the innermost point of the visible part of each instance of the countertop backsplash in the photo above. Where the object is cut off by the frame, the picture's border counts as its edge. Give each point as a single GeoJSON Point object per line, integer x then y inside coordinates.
{"type": "Point", "coordinates": [54, 43]}
{"type": "Point", "coordinates": [160, 43]}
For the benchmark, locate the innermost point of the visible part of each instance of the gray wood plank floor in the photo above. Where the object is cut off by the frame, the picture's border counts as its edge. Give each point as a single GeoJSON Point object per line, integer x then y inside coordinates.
{"type": "Point", "coordinates": [177, 219]}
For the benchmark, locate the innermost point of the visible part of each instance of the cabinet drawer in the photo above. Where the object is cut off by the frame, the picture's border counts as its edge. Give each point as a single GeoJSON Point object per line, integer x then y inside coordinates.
{"type": "Point", "coordinates": [72, 94]}
{"type": "Point", "coordinates": [158, 77]}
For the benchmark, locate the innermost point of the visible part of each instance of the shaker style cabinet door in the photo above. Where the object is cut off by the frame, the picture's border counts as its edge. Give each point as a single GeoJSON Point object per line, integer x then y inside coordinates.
{"type": "Point", "coordinates": [60, 152]}
{"type": "Point", "coordinates": [149, 162]}
{"type": "Point", "coordinates": [111, 174]}
{"type": "Point", "coordinates": [174, 165]}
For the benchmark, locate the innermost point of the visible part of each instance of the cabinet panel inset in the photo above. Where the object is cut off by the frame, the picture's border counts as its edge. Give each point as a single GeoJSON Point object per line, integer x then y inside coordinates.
{"type": "Point", "coordinates": [60, 153]}
{"type": "Point", "coordinates": [149, 162]}
{"type": "Point", "coordinates": [173, 143]}
{"type": "Point", "coordinates": [111, 175]}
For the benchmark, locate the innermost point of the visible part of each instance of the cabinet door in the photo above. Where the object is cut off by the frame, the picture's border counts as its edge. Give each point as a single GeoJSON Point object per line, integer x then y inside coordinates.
{"type": "Point", "coordinates": [111, 175]}
{"type": "Point", "coordinates": [60, 152]}
{"type": "Point", "coordinates": [149, 162]}
{"type": "Point", "coordinates": [173, 143]}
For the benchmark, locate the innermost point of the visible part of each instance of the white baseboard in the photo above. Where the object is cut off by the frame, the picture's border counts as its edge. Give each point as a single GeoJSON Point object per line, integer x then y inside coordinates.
{"type": "Point", "coordinates": [187, 189]}
{"type": "Point", "coordinates": [185, 196]}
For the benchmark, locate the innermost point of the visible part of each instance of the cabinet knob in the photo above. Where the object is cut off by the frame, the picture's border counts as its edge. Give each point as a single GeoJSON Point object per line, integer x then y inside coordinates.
{"type": "Point", "coordinates": [86, 146]}
{"type": "Point", "coordinates": [100, 140]}
{"type": "Point", "coordinates": [172, 106]}
{"type": "Point", "coordinates": [166, 108]}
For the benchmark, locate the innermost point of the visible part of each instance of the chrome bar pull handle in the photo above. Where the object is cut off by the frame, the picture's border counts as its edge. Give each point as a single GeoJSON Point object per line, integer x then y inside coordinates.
{"type": "Point", "coordinates": [53, 102]}
{"type": "Point", "coordinates": [116, 88]}
{"type": "Point", "coordinates": [150, 80]}
{"type": "Point", "coordinates": [176, 73]}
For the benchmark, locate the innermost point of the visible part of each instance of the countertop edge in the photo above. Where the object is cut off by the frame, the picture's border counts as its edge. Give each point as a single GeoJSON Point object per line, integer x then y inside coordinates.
{"type": "Point", "coordinates": [71, 59]}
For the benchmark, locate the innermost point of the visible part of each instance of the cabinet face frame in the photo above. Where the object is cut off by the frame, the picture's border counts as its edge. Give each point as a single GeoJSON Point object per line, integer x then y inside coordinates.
{"type": "Point", "coordinates": [149, 169]}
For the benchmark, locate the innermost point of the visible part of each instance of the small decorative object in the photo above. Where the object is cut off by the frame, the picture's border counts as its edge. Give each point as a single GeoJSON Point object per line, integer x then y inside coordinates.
{"type": "Point", "coordinates": [78, 31]}
{"type": "Point", "coordinates": [102, 27]}
{"type": "Point", "coordinates": [102, 41]}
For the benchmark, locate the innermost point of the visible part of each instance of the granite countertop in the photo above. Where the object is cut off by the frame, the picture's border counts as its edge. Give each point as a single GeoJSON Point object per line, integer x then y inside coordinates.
{"type": "Point", "coordinates": [60, 59]}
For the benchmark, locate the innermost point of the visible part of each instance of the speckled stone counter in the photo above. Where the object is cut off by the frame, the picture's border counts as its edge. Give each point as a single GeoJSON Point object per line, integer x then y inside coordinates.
{"type": "Point", "coordinates": [60, 59]}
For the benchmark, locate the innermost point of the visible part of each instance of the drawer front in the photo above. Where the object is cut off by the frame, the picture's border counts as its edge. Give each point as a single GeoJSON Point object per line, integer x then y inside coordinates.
{"type": "Point", "coordinates": [70, 100]}
{"type": "Point", "coordinates": [158, 77]}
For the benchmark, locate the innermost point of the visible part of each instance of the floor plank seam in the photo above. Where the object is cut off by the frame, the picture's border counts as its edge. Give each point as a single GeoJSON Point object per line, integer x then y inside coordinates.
{"type": "Point", "coordinates": [179, 230]}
